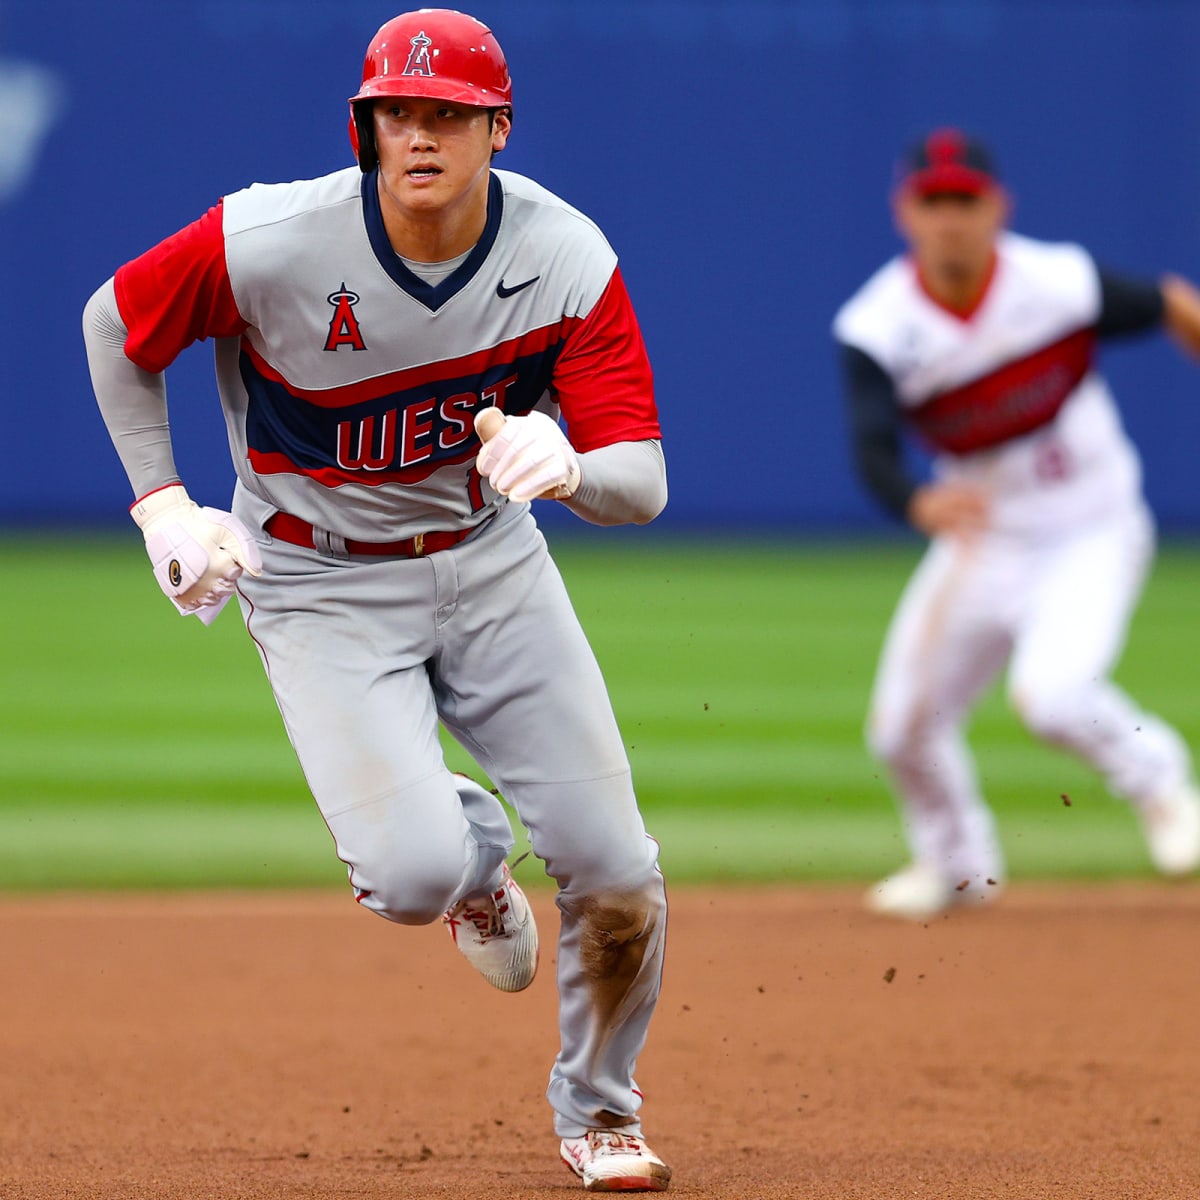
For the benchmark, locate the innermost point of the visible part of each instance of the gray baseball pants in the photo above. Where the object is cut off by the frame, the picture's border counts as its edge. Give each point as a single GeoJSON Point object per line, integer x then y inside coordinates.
{"type": "Point", "coordinates": [366, 656]}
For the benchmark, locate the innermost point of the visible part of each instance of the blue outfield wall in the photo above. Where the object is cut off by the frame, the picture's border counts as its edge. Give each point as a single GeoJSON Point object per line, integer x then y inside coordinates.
{"type": "Point", "coordinates": [738, 153]}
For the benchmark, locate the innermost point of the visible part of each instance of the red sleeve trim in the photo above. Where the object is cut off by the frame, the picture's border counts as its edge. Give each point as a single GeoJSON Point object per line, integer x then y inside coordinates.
{"type": "Point", "coordinates": [178, 293]}
{"type": "Point", "coordinates": [602, 380]}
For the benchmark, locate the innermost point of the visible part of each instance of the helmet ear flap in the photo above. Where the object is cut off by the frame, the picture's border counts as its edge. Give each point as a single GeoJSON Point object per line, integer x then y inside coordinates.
{"type": "Point", "coordinates": [362, 136]}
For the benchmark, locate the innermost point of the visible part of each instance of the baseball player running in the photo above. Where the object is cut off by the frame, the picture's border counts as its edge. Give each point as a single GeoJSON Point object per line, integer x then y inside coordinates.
{"type": "Point", "coordinates": [394, 344]}
{"type": "Point", "coordinates": [983, 342]}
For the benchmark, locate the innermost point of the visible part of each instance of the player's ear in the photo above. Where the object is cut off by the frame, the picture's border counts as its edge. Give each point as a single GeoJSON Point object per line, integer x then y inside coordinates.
{"type": "Point", "coordinates": [501, 128]}
{"type": "Point", "coordinates": [997, 205]}
{"type": "Point", "coordinates": [902, 205]}
{"type": "Point", "coordinates": [1007, 205]}
{"type": "Point", "coordinates": [362, 135]}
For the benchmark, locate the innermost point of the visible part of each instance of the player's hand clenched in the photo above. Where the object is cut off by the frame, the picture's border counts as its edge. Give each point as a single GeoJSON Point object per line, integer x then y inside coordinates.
{"type": "Point", "coordinates": [527, 457]}
{"type": "Point", "coordinates": [955, 509]}
{"type": "Point", "coordinates": [198, 554]}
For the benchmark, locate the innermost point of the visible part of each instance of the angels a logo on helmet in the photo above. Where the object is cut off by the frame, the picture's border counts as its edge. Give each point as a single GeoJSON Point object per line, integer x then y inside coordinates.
{"type": "Point", "coordinates": [343, 325]}
{"type": "Point", "coordinates": [418, 57]}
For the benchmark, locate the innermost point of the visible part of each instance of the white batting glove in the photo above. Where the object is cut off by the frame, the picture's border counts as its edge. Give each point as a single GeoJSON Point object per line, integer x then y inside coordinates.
{"type": "Point", "coordinates": [526, 457]}
{"type": "Point", "coordinates": [197, 553]}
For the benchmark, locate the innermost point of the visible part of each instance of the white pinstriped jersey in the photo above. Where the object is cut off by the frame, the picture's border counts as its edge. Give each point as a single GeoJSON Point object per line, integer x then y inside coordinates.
{"type": "Point", "coordinates": [349, 384]}
{"type": "Point", "coordinates": [1007, 395]}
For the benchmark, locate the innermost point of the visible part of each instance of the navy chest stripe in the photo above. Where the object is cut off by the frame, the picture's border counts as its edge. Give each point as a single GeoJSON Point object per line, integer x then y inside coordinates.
{"type": "Point", "coordinates": [399, 437]}
{"type": "Point", "coordinates": [433, 296]}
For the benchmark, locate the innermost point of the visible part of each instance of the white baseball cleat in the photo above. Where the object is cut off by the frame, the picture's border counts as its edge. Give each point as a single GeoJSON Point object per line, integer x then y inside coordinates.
{"type": "Point", "coordinates": [498, 935]}
{"type": "Point", "coordinates": [608, 1160]}
{"type": "Point", "coordinates": [1171, 825]}
{"type": "Point", "coordinates": [919, 891]}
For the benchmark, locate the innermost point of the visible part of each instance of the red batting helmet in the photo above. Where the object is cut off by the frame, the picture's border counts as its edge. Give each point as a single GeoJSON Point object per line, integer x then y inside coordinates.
{"type": "Point", "coordinates": [432, 52]}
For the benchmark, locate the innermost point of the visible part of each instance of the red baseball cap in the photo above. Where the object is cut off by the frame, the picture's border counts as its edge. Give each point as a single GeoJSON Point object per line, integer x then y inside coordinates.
{"type": "Point", "coordinates": [948, 160]}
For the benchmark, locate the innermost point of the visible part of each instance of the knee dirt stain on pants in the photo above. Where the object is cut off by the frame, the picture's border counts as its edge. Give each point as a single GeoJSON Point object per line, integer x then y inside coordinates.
{"type": "Point", "coordinates": [615, 934]}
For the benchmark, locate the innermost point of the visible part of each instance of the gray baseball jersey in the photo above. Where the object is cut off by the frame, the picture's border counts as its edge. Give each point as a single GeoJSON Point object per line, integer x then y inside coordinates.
{"type": "Point", "coordinates": [349, 386]}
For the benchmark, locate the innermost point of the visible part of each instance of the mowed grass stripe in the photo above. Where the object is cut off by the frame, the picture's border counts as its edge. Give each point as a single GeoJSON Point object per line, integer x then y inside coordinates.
{"type": "Point", "coordinates": [740, 675]}
{"type": "Point", "coordinates": [196, 845]}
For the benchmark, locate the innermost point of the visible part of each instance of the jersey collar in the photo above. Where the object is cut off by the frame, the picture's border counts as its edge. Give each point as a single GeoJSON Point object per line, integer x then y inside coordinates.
{"type": "Point", "coordinates": [966, 312]}
{"type": "Point", "coordinates": [433, 296]}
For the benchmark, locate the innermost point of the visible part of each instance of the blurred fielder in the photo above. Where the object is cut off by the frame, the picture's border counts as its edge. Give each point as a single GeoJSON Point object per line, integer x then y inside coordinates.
{"type": "Point", "coordinates": [394, 345]}
{"type": "Point", "coordinates": [983, 343]}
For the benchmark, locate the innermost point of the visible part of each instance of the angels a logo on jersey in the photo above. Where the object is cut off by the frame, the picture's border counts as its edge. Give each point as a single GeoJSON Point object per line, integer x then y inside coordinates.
{"type": "Point", "coordinates": [418, 57]}
{"type": "Point", "coordinates": [343, 325]}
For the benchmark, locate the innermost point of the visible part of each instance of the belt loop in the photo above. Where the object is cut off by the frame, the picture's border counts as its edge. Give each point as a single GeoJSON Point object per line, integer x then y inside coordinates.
{"type": "Point", "coordinates": [332, 545]}
{"type": "Point", "coordinates": [418, 545]}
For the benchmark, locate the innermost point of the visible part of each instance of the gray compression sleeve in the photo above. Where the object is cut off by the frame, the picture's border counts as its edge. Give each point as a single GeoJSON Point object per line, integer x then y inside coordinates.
{"type": "Point", "coordinates": [133, 402]}
{"type": "Point", "coordinates": [621, 484]}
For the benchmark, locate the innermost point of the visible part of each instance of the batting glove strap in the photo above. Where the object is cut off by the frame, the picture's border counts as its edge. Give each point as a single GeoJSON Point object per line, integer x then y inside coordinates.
{"type": "Point", "coordinates": [198, 554]}
{"type": "Point", "coordinates": [530, 458]}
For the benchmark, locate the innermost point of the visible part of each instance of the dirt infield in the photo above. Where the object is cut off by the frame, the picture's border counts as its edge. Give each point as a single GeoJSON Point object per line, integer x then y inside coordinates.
{"type": "Point", "coordinates": [292, 1045]}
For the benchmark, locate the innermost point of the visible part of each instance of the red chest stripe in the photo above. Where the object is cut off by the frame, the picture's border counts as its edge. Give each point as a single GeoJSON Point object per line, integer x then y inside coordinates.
{"type": "Point", "coordinates": [1014, 400]}
{"type": "Point", "coordinates": [535, 342]}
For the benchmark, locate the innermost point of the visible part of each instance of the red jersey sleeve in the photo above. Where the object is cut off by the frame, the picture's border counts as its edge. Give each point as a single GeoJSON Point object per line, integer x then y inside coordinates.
{"type": "Point", "coordinates": [602, 381]}
{"type": "Point", "coordinates": [177, 293]}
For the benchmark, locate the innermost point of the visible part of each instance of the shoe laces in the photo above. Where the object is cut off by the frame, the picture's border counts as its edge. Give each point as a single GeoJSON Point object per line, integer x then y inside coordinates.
{"type": "Point", "coordinates": [614, 1142]}
{"type": "Point", "coordinates": [486, 914]}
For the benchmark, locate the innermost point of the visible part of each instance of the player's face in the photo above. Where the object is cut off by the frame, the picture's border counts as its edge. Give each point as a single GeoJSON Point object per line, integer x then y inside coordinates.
{"type": "Point", "coordinates": [952, 234]}
{"type": "Point", "coordinates": [434, 155]}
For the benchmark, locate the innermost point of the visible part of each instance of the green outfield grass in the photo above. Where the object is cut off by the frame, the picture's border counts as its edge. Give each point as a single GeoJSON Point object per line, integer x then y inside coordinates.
{"type": "Point", "coordinates": [138, 748]}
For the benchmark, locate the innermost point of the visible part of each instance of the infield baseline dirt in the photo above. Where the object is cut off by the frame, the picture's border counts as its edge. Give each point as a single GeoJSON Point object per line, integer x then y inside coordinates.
{"type": "Point", "coordinates": [292, 1045]}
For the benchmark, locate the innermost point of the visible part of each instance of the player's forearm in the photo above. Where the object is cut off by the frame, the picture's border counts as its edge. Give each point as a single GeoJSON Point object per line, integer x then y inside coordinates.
{"type": "Point", "coordinates": [621, 484]}
{"type": "Point", "coordinates": [876, 444]}
{"type": "Point", "coordinates": [132, 402]}
{"type": "Point", "coordinates": [880, 465]}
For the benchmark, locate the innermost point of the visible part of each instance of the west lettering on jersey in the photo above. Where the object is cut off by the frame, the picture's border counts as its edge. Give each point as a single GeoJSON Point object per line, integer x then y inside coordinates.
{"type": "Point", "coordinates": [343, 325]}
{"type": "Point", "coordinates": [426, 427]}
{"type": "Point", "coordinates": [458, 412]}
{"type": "Point", "coordinates": [458, 418]}
{"type": "Point", "coordinates": [392, 434]}
{"type": "Point", "coordinates": [357, 449]}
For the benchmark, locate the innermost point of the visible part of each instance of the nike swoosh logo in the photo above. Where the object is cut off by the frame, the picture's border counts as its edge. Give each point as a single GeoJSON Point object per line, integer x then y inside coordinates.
{"type": "Point", "coordinates": [504, 292]}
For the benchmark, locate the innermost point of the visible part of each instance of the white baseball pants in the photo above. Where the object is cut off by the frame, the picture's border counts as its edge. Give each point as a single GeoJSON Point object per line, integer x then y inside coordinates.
{"type": "Point", "coordinates": [1056, 610]}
